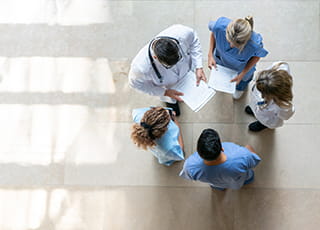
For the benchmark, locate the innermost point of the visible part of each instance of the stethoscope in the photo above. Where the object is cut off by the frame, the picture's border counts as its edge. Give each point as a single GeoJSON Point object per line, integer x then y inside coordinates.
{"type": "Point", "coordinates": [151, 58]}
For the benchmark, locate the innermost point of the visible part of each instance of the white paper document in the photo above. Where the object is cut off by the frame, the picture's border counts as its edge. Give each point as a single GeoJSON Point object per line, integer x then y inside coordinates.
{"type": "Point", "coordinates": [194, 96]}
{"type": "Point", "coordinates": [220, 79]}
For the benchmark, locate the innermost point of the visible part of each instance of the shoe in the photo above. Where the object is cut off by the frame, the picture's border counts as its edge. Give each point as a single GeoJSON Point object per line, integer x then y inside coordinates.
{"type": "Point", "coordinates": [237, 94]}
{"type": "Point", "coordinates": [175, 108]}
{"type": "Point", "coordinates": [217, 188]}
{"type": "Point", "coordinates": [248, 110]}
{"type": "Point", "coordinates": [250, 180]}
{"type": "Point", "coordinates": [256, 126]}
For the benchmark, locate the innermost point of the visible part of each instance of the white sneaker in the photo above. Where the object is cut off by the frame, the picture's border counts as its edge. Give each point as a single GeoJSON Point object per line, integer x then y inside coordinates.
{"type": "Point", "coordinates": [237, 94]}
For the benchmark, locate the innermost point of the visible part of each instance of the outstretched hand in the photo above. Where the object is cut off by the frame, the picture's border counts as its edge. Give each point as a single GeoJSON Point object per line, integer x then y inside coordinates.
{"type": "Point", "coordinates": [237, 79]}
{"type": "Point", "coordinates": [173, 94]}
{"type": "Point", "coordinates": [200, 76]}
{"type": "Point", "coordinates": [211, 62]}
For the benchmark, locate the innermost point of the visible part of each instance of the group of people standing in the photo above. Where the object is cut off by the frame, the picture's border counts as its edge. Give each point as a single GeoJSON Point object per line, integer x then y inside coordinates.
{"type": "Point", "coordinates": [167, 59]}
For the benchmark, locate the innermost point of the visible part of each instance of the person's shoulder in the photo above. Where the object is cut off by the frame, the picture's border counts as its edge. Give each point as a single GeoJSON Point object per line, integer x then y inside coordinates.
{"type": "Point", "coordinates": [137, 114]}
{"type": "Point", "coordinates": [230, 145]}
{"type": "Point", "coordinates": [194, 164]}
{"type": "Point", "coordinates": [219, 25]}
{"type": "Point", "coordinates": [234, 150]}
{"type": "Point", "coordinates": [256, 39]}
{"type": "Point", "coordinates": [193, 160]}
{"type": "Point", "coordinates": [281, 65]}
{"type": "Point", "coordinates": [172, 126]}
{"type": "Point", "coordinates": [255, 46]}
{"type": "Point", "coordinates": [180, 26]}
{"type": "Point", "coordinates": [223, 20]}
{"type": "Point", "coordinates": [176, 29]}
{"type": "Point", "coordinates": [180, 32]}
{"type": "Point", "coordinates": [141, 62]}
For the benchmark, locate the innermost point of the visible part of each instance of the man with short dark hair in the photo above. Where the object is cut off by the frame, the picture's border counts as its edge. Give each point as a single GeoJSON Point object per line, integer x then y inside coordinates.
{"type": "Point", "coordinates": [221, 165]}
{"type": "Point", "coordinates": [164, 61]}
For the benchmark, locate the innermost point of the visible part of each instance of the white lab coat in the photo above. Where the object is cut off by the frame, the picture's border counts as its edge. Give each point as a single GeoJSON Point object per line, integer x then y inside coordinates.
{"type": "Point", "coordinates": [270, 115]}
{"type": "Point", "coordinates": [142, 76]}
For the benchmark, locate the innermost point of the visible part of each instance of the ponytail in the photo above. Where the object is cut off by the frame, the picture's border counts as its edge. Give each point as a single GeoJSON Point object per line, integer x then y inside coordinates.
{"type": "Point", "coordinates": [153, 125]}
{"type": "Point", "coordinates": [250, 20]}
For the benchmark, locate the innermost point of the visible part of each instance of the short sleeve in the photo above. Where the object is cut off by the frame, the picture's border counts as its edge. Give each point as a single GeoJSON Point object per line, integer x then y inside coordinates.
{"type": "Point", "coordinates": [211, 25]}
{"type": "Point", "coordinates": [252, 159]}
{"type": "Point", "coordinates": [259, 50]}
{"type": "Point", "coordinates": [176, 152]}
{"type": "Point", "coordinates": [137, 114]}
{"type": "Point", "coordinates": [185, 174]}
{"type": "Point", "coordinates": [219, 25]}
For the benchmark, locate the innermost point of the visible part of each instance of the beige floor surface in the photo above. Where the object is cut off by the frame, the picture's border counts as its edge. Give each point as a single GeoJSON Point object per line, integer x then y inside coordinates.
{"type": "Point", "coordinates": [66, 158]}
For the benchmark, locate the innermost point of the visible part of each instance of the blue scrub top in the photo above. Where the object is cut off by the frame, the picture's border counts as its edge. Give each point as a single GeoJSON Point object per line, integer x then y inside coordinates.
{"type": "Point", "coordinates": [167, 149]}
{"type": "Point", "coordinates": [233, 173]}
{"type": "Point", "coordinates": [230, 57]}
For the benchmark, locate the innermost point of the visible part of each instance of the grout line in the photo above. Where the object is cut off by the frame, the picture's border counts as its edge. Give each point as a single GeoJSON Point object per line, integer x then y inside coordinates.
{"type": "Point", "coordinates": [104, 187]}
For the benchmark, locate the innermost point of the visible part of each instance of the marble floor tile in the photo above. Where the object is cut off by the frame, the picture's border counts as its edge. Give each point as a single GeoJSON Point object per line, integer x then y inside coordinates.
{"type": "Point", "coordinates": [277, 37]}
{"type": "Point", "coordinates": [55, 12]}
{"type": "Point", "coordinates": [140, 208]}
{"type": "Point", "coordinates": [17, 174]}
{"type": "Point", "coordinates": [58, 74]}
{"type": "Point", "coordinates": [103, 154]}
{"type": "Point", "coordinates": [266, 209]}
{"type": "Point", "coordinates": [66, 158]}
{"type": "Point", "coordinates": [93, 84]}
{"type": "Point", "coordinates": [122, 36]}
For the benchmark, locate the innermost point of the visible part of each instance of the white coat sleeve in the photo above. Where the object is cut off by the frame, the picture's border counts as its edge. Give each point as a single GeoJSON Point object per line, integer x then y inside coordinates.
{"type": "Point", "coordinates": [140, 82]}
{"type": "Point", "coordinates": [286, 114]}
{"type": "Point", "coordinates": [195, 48]}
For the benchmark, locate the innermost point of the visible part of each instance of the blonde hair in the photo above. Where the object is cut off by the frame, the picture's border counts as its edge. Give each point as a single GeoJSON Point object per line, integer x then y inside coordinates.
{"type": "Point", "coordinates": [239, 32]}
{"type": "Point", "coordinates": [152, 126]}
{"type": "Point", "coordinates": [275, 84]}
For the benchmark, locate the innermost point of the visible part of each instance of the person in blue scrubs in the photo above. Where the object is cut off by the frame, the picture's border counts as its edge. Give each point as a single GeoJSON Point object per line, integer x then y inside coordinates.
{"type": "Point", "coordinates": [158, 130]}
{"type": "Point", "coordinates": [235, 45]}
{"type": "Point", "coordinates": [221, 165]}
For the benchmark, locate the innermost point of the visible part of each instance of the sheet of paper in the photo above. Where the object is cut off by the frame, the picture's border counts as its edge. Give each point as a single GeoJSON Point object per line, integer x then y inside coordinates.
{"type": "Point", "coordinates": [220, 79]}
{"type": "Point", "coordinates": [194, 96]}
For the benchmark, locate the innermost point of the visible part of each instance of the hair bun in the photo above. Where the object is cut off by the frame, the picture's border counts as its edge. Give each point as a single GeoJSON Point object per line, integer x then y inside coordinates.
{"type": "Point", "coordinates": [149, 128]}
{"type": "Point", "coordinates": [250, 20]}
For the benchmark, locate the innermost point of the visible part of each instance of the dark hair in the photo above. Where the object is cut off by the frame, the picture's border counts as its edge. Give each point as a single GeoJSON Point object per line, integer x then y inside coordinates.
{"type": "Point", "coordinates": [209, 145]}
{"type": "Point", "coordinates": [167, 51]}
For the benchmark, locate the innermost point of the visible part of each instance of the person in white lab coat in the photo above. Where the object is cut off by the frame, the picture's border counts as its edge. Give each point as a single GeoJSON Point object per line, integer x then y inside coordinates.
{"type": "Point", "coordinates": [271, 98]}
{"type": "Point", "coordinates": [164, 61]}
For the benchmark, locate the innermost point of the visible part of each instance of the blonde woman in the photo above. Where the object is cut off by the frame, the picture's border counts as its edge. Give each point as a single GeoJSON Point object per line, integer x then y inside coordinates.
{"type": "Point", "coordinates": [235, 45]}
{"type": "Point", "coordinates": [158, 130]}
{"type": "Point", "coordinates": [271, 97]}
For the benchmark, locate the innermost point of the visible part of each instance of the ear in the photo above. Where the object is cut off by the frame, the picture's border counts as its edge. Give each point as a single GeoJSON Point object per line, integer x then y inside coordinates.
{"type": "Point", "coordinates": [222, 149]}
{"type": "Point", "coordinates": [154, 57]}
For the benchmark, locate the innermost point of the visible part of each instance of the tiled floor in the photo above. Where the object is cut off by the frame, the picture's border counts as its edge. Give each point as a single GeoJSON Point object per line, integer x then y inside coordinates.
{"type": "Point", "coordinates": [66, 158]}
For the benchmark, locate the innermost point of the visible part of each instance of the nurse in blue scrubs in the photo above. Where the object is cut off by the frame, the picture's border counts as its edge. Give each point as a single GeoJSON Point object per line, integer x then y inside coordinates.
{"type": "Point", "coordinates": [235, 45]}
{"type": "Point", "coordinates": [158, 130]}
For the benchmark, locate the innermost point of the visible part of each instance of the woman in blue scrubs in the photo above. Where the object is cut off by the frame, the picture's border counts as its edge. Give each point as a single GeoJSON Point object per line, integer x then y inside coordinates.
{"type": "Point", "coordinates": [157, 130]}
{"type": "Point", "coordinates": [235, 45]}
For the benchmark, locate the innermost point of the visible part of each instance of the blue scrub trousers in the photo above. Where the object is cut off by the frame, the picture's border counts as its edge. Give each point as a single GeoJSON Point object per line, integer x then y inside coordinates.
{"type": "Point", "coordinates": [243, 84]}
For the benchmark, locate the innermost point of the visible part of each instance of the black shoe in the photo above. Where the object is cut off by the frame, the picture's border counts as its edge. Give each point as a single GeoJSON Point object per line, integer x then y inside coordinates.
{"type": "Point", "coordinates": [218, 189]}
{"type": "Point", "coordinates": [248, 110]}
{"type": "Point", "coordinates": [256, 126]}
{"type": "Point", "coordinates": [175, 107]}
